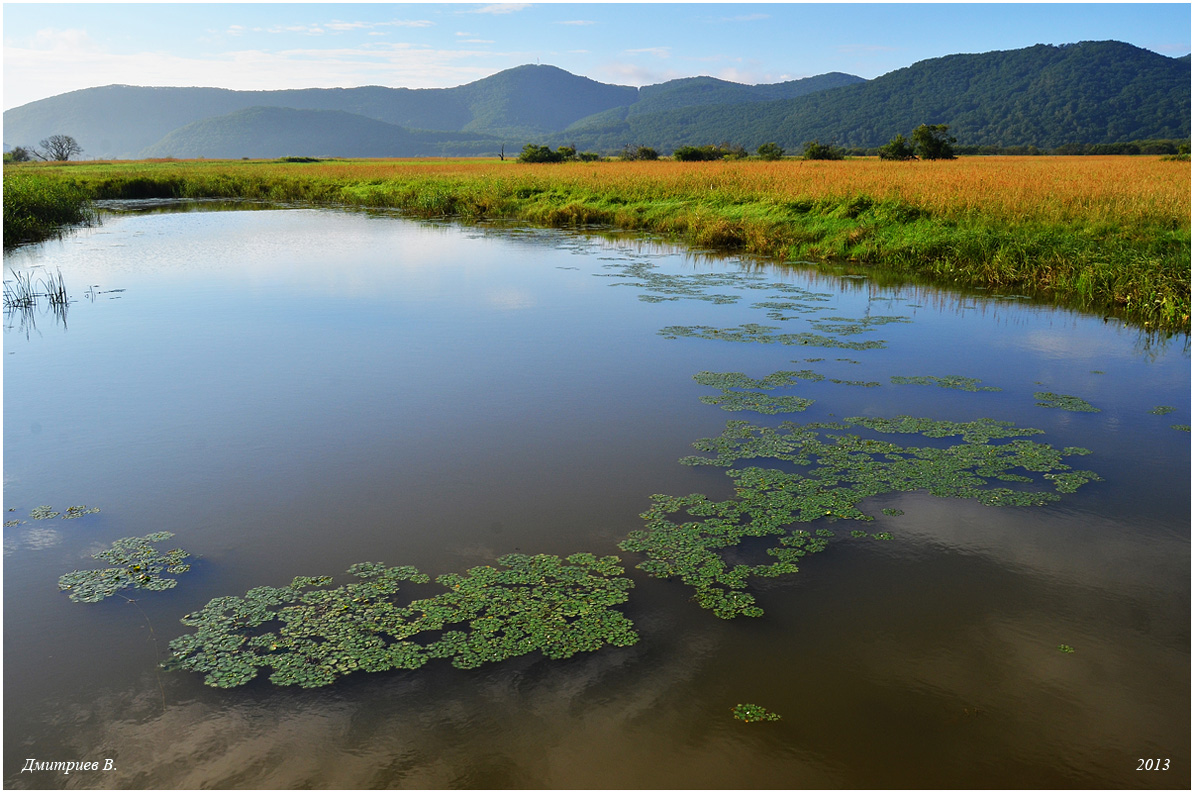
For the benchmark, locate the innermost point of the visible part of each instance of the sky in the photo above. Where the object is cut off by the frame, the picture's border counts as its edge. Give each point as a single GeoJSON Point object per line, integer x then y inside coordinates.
{"type": "Point", "coordinates": [52, 48]}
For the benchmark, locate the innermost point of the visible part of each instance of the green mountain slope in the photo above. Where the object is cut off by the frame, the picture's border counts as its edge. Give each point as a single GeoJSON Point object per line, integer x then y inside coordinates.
{"type": "Point", "coordinates": [268, 132]}
{"type": "Point", "coordinates": [1091, 92]}
{"type": "Point", "coordinates": [694, 92]}
{"type": "Point", "coordinates": [1046, 96]}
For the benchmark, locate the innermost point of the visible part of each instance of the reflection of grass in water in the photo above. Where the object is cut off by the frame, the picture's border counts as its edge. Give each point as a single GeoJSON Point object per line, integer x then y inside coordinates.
{"type": "Point", "coordinates": [841, 471]}
{"type": "Point", "coordinates": [138, 565]}
{"type": "Point", "coordinates": [1064, 402]}
{"type": "Point", "coordinates": [310, 634]}
{"type": "Point", "coordinates": [948, 381]}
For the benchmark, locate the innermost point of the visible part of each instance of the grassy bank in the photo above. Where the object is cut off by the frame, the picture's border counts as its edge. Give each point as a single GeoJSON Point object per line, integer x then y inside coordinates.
{"type": "Point", "coordinates": [38, 206]}
{"type": "Point", "coordinates": [1108, 234]}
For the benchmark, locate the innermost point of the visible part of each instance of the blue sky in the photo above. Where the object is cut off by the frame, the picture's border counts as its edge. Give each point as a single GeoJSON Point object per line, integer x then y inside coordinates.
{"type": "Point", "coordinates": [51, 48]}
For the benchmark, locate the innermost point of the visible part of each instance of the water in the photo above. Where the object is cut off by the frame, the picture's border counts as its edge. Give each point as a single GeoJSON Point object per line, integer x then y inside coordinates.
{"type": "Point", "coordinates": [291, 392]}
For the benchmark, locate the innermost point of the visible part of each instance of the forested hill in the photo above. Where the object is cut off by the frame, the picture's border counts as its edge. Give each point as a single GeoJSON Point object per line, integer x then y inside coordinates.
{"type": "Point", "coordinates": [1044, 96]}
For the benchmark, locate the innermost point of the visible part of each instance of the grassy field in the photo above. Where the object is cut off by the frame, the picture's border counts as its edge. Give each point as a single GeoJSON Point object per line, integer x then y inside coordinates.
{"type": "Point", "coordinates": [1108, 234]}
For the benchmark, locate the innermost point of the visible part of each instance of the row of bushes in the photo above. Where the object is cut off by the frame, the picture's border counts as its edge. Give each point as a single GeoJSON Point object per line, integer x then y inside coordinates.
{"type": "Point", "coordinates": [927, 142]}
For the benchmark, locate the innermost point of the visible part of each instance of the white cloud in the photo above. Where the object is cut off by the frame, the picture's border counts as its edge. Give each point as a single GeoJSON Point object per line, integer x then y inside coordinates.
{"type": "Point", "coordinates": [577, 22]}
{"type": "Point", "coordinates": [745, 18]}
{"type": "Point", "coordinates": [501, 8]}
{"type": "Point", "coordinates": [658, 52]}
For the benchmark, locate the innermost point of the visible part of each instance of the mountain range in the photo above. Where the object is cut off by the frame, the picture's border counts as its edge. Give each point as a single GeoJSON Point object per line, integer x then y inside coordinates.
{"type": "Point", "coordinates": [1044, 96]}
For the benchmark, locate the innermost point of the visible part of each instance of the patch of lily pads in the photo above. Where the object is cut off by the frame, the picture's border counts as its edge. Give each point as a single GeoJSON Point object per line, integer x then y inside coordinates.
{"type": "Point", "coordinates": [756, 401]}
{"type": "Point", "coordinates": [1047, 399]}
{"type": "Point", "coordinates": [136, 564]}
{"type": "Point", "coordinates": [750, 712]}
{"type": "Point", "coordinates": [686, 537]}
{"type": "Point", "coordinates": [310, 633]}
{"type": "Point", "coordinates": [764, 334]}
{"type": "Point", "coordinates": [948, 381]}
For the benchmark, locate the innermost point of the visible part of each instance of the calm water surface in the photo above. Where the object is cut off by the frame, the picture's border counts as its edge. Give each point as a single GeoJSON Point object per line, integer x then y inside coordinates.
{"type": "Point", "coordinates": [294, 391]}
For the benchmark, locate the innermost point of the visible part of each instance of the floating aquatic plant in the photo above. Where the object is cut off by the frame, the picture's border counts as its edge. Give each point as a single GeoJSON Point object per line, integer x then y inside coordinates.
{"type": "Point", "coordinates": [763, 334]}
{"type": "Point", "coordinates": [749, 712]}
{"type": "Point", "coordinates": [1064, 402]}
{"type": "Point", "coordinates": [893, 512]}
{"type": "Point", "coordinates": [948, 381]}
{"type": "Point", "coordinates": [1162, 410]}
{"type": "Point", "coordinates": [1180, 427]}
{"type": "Point", "coordinates": [758, 402]}
{"type": "Point", "coordinates": [44, 512]}
{"type": "Point", "coordinates": [79, 511]}
{"type": "Point", "coordinates": [754, 400]}
{"type": "Point", "coordinates": [861, 383]}
{"type": "Point", "coordinates": [137, 564]}
{"type": "Point", "coordinates": [309, 633]}
{"type": "Point", "coordinates": [726, 380]}
{"type": "Point", "coordinates": [1065, 648]}
{"type": "Point", "coordinates": [685, 536]}
{"type": "Point", "coordinates": [843, 326]}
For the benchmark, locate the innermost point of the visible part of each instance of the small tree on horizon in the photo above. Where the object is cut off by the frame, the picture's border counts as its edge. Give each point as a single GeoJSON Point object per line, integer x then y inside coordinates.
{"type": "Point", "coordinates": [57, 148]}
{"type": "Point", "coordinates": [815, 150]}
{"type": "Point", "coordinates": [898, 148]}
{"type": "Point", "coordinates": [933, 142]}
{"type": "Point", "coordinates": [770, 151]}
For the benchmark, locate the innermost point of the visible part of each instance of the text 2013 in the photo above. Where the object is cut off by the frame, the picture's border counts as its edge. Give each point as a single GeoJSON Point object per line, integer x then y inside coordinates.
{"type": "Point", "coordinates": [1153, 765]}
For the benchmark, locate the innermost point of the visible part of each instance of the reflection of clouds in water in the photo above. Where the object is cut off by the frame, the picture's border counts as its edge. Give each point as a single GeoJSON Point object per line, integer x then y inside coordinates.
{"type": "Point", "coordinates": [510, 299]}
{"type": "Point", "coordinates": [32, 540]}
{"type": "Point", "coordinates": [1087, 549]}
{"type": "Point", "coordinates": [606, 719]}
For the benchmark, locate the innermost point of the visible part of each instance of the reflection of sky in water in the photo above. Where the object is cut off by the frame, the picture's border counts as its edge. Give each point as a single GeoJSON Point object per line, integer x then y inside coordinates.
{"type": "Point", "coordinates": [438, 395]}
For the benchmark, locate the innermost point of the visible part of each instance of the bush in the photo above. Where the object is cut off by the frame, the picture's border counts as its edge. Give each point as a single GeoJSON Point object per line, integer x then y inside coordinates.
{"type": "Point", "coordinates": [815, 150]}
{"type": "Point", "coordinates": [770, 151]}
{"type": "Point", "coordinates": [898, 148]}
{"type": "Point", "coordinates": [533, 153]}
{"type": "Point", "coordinates": [933, 142]}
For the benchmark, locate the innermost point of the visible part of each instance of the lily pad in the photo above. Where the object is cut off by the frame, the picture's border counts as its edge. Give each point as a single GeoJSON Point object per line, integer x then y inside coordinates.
{"type": "Point", "coordinates": [137, 565]}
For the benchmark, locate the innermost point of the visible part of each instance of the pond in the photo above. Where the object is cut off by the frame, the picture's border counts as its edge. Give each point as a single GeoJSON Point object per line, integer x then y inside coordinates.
{"type": "Point", "coordinates": [294, 391]}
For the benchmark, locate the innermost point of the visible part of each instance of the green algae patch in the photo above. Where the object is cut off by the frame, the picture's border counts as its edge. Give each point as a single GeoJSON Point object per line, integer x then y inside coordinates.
{"type": "Point", "coordinates": [764, 334]}
{"type": "Point", "coordinates": [309, 633]}
{"type": "Point", "coordinates": [750, 712]}
{"type": "Point", "coordinates": [859, 383]}
{"type": "Point", "coordinates": [756, 401]}
{"type": "Point", "coordinates": [948, 381]}
{"type": "Point", "coordinates": [689, 537]}
{"type": "Point", "coordinates": [1064, 402]}
{"type": "Point", "coordinates": [1162, 410]}
{"type": "Point", "coordinates": [138, 565]}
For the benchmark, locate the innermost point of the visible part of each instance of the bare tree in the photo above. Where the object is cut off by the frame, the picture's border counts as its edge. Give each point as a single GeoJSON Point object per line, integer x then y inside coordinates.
{"type": "Point", "coordinates": [58, 148]}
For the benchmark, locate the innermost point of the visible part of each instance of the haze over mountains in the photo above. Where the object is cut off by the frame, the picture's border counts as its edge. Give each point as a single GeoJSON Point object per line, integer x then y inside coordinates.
{"type": "Point", "coordinates": [1045, 96]}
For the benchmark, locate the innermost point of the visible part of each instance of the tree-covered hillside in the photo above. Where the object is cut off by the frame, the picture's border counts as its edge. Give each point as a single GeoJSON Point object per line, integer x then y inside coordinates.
{"type": "Point", "coordinates": [1044, 96]}
{"type": "Point", "coordinates": [1092, 92]}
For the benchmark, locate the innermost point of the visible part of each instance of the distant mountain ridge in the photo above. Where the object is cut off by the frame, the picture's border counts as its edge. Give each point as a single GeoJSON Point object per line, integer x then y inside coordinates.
{"type": "Point", "coordinates": [1046, 95]}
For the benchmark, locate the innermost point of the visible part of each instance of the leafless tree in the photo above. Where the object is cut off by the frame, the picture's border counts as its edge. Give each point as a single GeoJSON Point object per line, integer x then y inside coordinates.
{"type": "Point", "coordinates": [57, 148]}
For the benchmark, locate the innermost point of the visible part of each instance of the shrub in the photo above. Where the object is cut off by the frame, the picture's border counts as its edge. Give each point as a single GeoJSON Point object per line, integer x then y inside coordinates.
{"type": "Point", "coordinates": [815, 150]}
{"type": "Point", "coordinates": [770, 151]}
{"type": "Point", "coordinates": [898, 148]}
